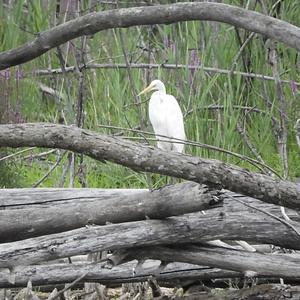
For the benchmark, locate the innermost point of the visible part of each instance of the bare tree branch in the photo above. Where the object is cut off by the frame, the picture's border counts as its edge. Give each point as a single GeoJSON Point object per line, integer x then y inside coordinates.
{"type": "Point", "coordinates": [161, 14]}
{"type": "Point", "coordinates": [139, 157]}
{"type": "Point", "coordinates": [47, 72]}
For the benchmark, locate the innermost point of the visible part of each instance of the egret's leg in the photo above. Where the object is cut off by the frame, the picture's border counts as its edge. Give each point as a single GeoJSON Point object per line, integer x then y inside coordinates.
{"type": "Point", "coordinates": [149, 181]}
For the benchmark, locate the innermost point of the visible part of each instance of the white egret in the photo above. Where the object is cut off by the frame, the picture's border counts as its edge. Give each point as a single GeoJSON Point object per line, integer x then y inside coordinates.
{"type": "Point", "coordinates": [165, 116]}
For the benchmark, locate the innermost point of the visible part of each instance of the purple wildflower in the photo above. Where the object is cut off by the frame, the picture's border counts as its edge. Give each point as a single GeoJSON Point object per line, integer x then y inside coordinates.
{"type": "Point", "coordinates": [166, 42]}
{"type": "Point", "coordinates": [293, 86]}
{"type": "Point", "coordinates": [19, 74]}
{"type": "Point", "coordinates": [194, 62]}
{"type": "Point", "coordinates": [7, 74]}
{"type": "Point", "coordinates": [173, 46]}
{"type": "Point", "coordinates": [169, 44]}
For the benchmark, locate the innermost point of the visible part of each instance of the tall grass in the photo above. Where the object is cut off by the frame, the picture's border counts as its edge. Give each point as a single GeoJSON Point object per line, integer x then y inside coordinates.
{"type": "Point", "coordinates": [109, 97]}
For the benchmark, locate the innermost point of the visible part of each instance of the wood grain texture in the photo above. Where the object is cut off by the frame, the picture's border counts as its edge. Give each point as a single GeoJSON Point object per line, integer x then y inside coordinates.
{"type": "Point", "coordinates": [139, 157]}
{"type": "Point", "coordinates": [65, 273]}
{"type": "Point", "coordinates": [281, 266]}
{"type": "Point", "coordinates": [191, 228]}
{"type": "Point", "coordinates": [28, 213]}
{"type": "Point", "coordinates": [160, 14]}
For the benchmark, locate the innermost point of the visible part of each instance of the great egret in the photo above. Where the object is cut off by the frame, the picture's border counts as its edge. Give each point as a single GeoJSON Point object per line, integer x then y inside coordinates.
{"type": "Point", "coordinates": [165, 116]}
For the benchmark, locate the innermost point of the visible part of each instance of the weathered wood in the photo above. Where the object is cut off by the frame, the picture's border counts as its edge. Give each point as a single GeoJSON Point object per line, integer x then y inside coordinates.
{"type": "Point", "coordinates": [173, 274]}
{"type": "Point", "coordinates": [160, 14]}
{"type": "Point", "coordinates": [22, 211]}
{"type": "Point", "coordinates": [66, 273]}
{"type": "Point", "coordinates": [28, 213]}
{"type": "Point", "coordinates": [257, 228]}
{"type": "Point", "coordinates": [250, 264]}
{"type": "Point", "coordinates": [139, 157]}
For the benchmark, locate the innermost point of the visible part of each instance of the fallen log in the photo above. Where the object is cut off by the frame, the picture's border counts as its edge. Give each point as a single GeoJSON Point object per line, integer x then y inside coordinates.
{"type": "Point", "coordinates": [95, 272]}
{"type": "Point", "coordinates": [22, 211]}
{"type": "Point", "coordinates": [250, 264]}
{"type": "Point", "coordinates": [214, 173]}
{"type": "Point", "coordinates": [173, 274]}
{"type": "Point", "coordinates": [192, 228]}
{"type": "Point", "coordinates": [28, 213]}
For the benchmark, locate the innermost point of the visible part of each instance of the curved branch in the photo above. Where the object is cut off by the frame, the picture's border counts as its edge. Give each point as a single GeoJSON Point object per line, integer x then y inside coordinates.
{"type": "Point", "coordinates": [160, 14]}
{"type": "Point", "coordinates": [140, 157]}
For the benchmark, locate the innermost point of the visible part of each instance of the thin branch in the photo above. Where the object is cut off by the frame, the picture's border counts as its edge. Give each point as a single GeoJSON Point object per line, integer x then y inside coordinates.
{"type": "Point", "coordinates": [58, 71]}
{"type": "Point", "coordinates": [252, 161]}
{"type": "Point", "coordinates": [68, 286]}
{"type": "Point", "coordinates": [59, 159]}
{"type": "Point", "coordinates": [16, 153]}
{"type": "Point", "coordinates": [237, 56]}
{"type": "Point", "coordinates": [131, 81]}
{"type": "Point", "coordinates": [244, 135]}
{"type": "Point", "coordinates": [39, 154]}
{"type": "Point", "coordinates": [268, 214]}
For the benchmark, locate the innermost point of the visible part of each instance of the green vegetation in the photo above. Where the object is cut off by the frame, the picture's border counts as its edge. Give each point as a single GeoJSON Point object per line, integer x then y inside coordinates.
{"type": "Point", "coordinates": [109, 95]}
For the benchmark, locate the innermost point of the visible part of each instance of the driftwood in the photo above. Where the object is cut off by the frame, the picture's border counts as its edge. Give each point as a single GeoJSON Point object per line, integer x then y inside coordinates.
{"type": "Point", "coordinates": [192, 228]}
{"type": "Point", "coordinates": [161, 14]}
{"type": "Point", "coordinates": [214, 173]}
{"type": "Point", "coordinates": [95, 272]}
{"type": "Point", "coordinates": [22, 211]}
{"type": "Point", "coordinates": [28, 213]}
{"type": "Point", "coordinates": [249, 264]}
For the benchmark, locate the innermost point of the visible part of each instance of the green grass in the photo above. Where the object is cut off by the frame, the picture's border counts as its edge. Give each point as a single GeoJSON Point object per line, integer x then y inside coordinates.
{"type": "Point", "coordinates": [109, 98]}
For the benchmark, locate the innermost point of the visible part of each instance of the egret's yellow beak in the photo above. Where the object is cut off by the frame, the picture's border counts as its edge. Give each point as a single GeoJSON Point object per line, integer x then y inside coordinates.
{"type": "Point", "coordinates": [146, 90]}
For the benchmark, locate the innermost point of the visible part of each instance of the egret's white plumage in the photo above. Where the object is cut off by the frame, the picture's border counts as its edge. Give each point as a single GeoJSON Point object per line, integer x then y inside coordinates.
{"type": "Point", "coordinates": [165, 116]}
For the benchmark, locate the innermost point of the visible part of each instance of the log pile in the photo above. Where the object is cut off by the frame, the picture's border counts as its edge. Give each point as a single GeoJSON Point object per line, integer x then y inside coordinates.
{"type": "Point", "coordinates": [164, 237]}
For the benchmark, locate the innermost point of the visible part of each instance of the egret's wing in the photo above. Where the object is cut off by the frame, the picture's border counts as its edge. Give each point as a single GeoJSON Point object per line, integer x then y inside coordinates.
{"type": "Point", "coordinates": [158, 116]}
{"type": "Point", "coordinates": [174, 122]}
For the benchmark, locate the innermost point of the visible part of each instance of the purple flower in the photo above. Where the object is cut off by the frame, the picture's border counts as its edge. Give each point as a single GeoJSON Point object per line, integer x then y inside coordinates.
{"type": "Point", "coordinates": [173, 46]}
{"type": "Point", "coordinates": [19, 74]}
{"type": "Point", "coordinates": [194, 62]}
{"type": "Point", "coordinates": [7, 74]}
{"type": "Point", "coordinates": [293, 86]}
{"type": "Point", "coordinates": [194, 59]}
{"type": "Point", "coordinates": [166, 42]}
